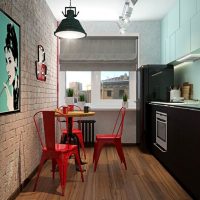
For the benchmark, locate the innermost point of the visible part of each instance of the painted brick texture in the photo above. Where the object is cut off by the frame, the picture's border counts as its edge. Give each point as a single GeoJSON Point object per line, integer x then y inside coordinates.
{"type": "Point", "coordinates": [19, 147]}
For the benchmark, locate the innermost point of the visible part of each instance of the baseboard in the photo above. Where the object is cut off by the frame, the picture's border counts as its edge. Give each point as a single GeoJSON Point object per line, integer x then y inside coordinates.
{"type": "Point", "coordinates": [129, 144]}
{"type": "Point", "coordinates": [23, 185]}
{"type": "Point", "coordinates": [124, 144]}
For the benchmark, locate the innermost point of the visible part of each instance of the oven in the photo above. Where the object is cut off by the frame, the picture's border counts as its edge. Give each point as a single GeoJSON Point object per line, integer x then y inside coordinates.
{"type": "Point", "coordinates": [161, 131]}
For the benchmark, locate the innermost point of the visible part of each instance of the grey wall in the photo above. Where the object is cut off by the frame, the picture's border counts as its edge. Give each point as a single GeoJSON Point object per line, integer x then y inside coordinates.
{"type": "Point", "coordinates": [150, 41]}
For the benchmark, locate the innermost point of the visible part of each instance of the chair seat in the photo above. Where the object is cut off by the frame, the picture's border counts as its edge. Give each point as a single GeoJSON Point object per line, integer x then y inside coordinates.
{"type": "Point", "coordinates": [63, 147]}
{"type": "Point", "coordinates": [107, 136]}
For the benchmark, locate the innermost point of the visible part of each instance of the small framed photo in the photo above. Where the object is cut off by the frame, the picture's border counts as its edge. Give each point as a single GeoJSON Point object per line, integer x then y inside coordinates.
{"type": "Point", "coordinates": [9, 64]}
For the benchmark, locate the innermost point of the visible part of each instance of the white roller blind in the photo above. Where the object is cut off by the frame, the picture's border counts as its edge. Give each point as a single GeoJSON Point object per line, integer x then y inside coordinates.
{"type": "Point", "coordinates": [99, 54]}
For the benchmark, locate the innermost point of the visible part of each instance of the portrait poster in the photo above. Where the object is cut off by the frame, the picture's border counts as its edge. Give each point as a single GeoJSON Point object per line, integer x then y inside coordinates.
{"type": "Point", "coordinates": [9, 64]}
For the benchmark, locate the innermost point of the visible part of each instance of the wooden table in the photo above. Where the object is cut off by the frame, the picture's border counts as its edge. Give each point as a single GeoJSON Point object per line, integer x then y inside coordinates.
{"type": "Point", "coordinates": [70, 115]}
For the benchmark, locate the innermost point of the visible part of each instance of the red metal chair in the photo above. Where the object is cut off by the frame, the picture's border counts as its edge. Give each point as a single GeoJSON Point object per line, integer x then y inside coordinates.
{"type": "Point", "coordinates": [113, 138]}
{"type": "Point", "coordinates": [58, 153]}
{"type": "Point", "coordinates": [76, 131]}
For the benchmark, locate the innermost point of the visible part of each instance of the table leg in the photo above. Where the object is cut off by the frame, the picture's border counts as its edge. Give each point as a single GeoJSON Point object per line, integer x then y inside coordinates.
{"type": "Point", "coordinates": [73, 139]}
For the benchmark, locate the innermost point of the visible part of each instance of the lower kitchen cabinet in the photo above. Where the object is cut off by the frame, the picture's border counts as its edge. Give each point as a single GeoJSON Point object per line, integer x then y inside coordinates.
{"type": "Point", "coordinates": [183, 145]}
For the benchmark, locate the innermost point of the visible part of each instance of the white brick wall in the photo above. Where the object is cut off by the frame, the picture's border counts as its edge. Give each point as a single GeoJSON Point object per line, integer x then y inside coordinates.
{"type": "Point", "coordinates": [18, 140]}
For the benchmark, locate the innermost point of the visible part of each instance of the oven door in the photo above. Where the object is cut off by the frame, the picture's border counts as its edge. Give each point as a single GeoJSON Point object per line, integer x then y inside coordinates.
{"type": "Point", "coordinates": [161, 130]}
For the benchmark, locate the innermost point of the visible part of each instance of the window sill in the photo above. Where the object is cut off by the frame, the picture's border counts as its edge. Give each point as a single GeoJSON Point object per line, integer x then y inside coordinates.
{"type": "Point", "coordinates": [131, 107]}
{"type": "Point", "coordinates": [109, 109]}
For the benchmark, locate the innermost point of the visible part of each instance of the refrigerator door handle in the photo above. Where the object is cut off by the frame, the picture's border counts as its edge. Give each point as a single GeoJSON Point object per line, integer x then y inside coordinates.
{"type": "Point", "coordinates": [157, 73]}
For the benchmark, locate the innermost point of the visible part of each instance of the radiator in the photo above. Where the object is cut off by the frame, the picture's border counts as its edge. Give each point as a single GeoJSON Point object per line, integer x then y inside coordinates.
{"type": "Point", "coordinates": [87, 128]}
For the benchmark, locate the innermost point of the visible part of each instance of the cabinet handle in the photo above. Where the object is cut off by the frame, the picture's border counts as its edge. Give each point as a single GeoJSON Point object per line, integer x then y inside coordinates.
{"type": "Point", "coordinates": [164, 151]}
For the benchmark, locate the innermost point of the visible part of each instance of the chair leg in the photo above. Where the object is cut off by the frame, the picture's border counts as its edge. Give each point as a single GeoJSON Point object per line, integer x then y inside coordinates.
{"type": "Point", "coordinates": [61, 173]}
{"type": "Point", "coordinates": [98, 148]}
{"type": "Point", "coordinates": [43, 158]}
{"type": "Point", "coordinates": [80, 137]}
{"type": "Point", "coordinates": [77, 158]}
{"type": "Point", "coordinates": [120, 152]}
{"type": "Point", "coordinates": [94, 153]}
{"type": "Point", "coordinates": [65, 167]}
{"type": "Point", "coordinates": [53, 168]}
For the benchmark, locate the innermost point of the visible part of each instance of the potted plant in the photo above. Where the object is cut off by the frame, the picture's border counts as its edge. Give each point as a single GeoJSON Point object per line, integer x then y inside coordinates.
{"type": "Point", "coordinates": [81, 101]}
{"type": "Point", "coordinates": [125, 100]}
{"type": "Point", "coordinates": [69, 96]}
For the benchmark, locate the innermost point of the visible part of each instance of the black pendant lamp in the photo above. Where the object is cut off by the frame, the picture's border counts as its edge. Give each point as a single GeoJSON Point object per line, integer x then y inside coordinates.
{"type": "Point", "coordinates": [70, 28]}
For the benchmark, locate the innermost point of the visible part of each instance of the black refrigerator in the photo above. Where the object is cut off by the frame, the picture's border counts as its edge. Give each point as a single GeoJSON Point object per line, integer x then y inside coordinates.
{"type": "Point", "coordinates": [153, 84]}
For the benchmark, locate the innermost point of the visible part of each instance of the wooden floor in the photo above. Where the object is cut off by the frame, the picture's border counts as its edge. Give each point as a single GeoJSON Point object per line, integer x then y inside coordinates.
{"type": "Point", "coordinates": [145, 178]}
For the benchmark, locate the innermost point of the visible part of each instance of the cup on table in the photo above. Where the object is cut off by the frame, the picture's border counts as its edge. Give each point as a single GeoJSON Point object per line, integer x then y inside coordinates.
{"type": "Point", "coordinates": [86, 109]}
{"type": "Point", "coordinates": [64, 110]}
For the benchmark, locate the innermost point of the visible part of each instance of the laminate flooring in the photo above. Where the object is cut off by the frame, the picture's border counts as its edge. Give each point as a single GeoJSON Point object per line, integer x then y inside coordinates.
{"type": "Point", "coordinates": [145, 178]}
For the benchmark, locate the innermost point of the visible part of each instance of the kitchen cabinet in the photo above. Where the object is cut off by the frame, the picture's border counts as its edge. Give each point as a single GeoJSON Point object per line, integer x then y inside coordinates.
{"type": "Point", "coordinates": [187, 10]}
{"type": "Point", "coordinates": [198, 5]}
{"type": "Point", "coordinates": [183, 145]}
{"type": "Point", "coordinates": [183, 40]}
{"type": "Point", "coordinates": [164, 35]}
{"type": "Point", "coordinates": [180, 26]}
{"type": "Point", "coordinates": [173, 19]}
{"type": "Point", "coordinates": [172, 47]}
{"type": "Point", "coordinates": [167, 50]}
{"type": "Point", "coordinates": [195, 32]}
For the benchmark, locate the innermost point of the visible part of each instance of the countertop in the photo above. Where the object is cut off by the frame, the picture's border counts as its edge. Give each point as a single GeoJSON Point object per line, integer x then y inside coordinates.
{"type": "Point", "coordinates": [192, 105]}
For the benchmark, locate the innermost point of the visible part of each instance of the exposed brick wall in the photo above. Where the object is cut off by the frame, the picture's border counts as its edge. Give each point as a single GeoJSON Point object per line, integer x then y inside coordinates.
{"type": "Point", "coordinates": [19, 146]}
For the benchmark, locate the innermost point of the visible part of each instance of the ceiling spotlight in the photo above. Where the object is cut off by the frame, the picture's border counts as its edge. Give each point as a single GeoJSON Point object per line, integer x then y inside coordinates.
{"type": "Point", "coordinates": [70, 27]}
{"type": "Point", "coordinates": [124, 19]}
{"type": "Point", "coordinates": [122, 30]}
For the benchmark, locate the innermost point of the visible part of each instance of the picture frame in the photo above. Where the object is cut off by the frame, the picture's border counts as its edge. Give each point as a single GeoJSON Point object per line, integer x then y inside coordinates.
{"type": "Point", "coordinates": [40, 66]}
{"type": "Point", "coordinates": [10, 66]}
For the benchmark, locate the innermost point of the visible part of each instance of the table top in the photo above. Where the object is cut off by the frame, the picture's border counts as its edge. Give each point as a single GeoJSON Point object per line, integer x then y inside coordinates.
{"type": "Point", "coordinates": [74, 114]}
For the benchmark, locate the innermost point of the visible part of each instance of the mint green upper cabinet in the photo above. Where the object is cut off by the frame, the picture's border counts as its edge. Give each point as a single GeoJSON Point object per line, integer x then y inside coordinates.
{"type": "Point", "coordinates": [164, 31]}
{"type": "Point", "coordinates": [183, 40]}
{"type": "Point", "coordinates": [198, 5]}
{"type": "Point", "coordinates": [167, 60]}
{"type": "Point", "coordinates": [173, 18]}
{"type": "Point", "coordinates": [172, 47]}
{"type": "Point", "coordinates": [188, 9]}
{"type": "Point", "coordinates": [195, 32]}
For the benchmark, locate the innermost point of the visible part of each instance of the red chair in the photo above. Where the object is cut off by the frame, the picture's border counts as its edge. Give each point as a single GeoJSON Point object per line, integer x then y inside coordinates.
{"type": "Point", "coordinates": [58, 153]}
{"type": "Point", "coordinates": [76, 131]}
{"type": "Point", "coordinates": [113, 138]}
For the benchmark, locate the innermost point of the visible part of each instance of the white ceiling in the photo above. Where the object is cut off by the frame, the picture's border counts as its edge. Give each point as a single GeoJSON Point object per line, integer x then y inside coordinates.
{"type": "Point", "coordinates": [110, 10]}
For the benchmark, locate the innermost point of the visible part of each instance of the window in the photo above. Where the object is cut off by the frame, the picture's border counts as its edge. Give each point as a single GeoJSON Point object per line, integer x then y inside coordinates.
{"type": "Point", "coordinates": [80, 82]}
{"type": "Point", "coordinates": [121, 93]}
{"type": "Point", "coordinates": [114, 84]}
{"type": "Point", "coordinates": [109, 93]}
{"type": "Point", "coordinates": [102, 88]}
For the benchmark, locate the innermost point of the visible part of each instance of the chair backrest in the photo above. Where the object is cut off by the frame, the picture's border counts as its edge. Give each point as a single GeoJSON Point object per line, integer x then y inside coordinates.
{"type": "Point", "coordinates": [48, 121]}
{"type": "Point", "coordinates": [119, 123]}
{"type": "Point", "coordinates": [64, 110]}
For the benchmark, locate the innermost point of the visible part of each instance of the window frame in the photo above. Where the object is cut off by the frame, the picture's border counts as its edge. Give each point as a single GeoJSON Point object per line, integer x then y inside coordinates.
{"type": "Point", "coordinates": [96, 100]}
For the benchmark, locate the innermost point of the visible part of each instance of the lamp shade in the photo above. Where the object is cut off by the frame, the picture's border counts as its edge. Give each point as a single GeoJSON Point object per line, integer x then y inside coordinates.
{"type": "Point", "coordinates": [70, 27]}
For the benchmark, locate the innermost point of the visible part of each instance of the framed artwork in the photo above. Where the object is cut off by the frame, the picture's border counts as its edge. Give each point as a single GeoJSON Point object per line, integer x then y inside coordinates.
{"type": "Point", "coordinates": [9, 64]}
{"type": "Point", "coordinates": [40, 67]}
